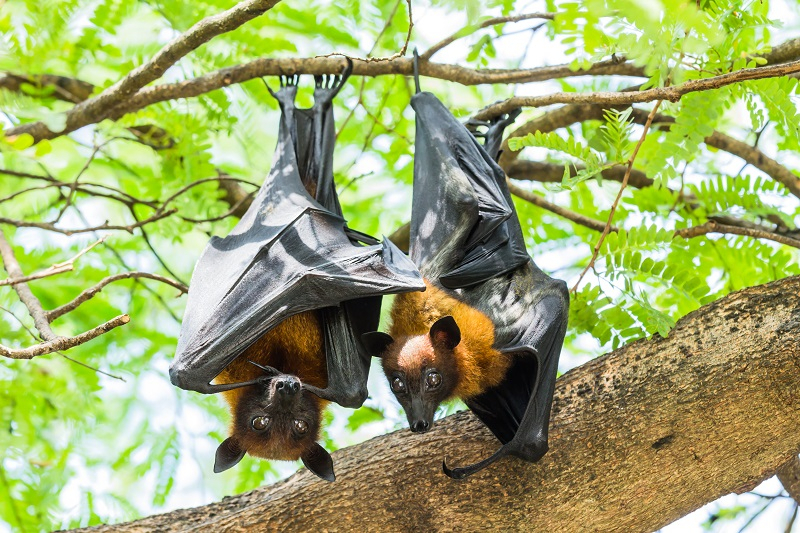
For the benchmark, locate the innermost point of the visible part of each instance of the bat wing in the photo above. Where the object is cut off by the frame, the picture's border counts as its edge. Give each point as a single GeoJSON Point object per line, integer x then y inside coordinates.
{"type": "Point", "coordinates": [463, 227]}
{"type": "Point", "coordinates": [466, 237]}
{"type": "Point", "coordinates": [291, 253]}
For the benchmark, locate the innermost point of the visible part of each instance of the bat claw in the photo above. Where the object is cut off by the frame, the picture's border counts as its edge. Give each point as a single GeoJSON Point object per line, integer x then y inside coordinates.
{"type": "Point", "coordinates": [270, 371]}
{"type": "Point", "coordinates": [452, 474]}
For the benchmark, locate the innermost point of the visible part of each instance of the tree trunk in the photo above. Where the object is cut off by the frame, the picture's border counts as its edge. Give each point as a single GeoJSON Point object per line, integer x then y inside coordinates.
{"type": "Point", "coordinates": [639, 438]}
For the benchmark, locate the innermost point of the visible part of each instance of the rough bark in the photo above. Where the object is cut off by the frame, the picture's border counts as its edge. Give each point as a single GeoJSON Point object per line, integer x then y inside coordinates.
{"type": "Point", "coordinates": [639, 438]}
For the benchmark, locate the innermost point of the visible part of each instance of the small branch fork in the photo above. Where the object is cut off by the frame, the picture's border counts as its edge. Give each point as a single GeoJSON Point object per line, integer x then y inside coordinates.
{"type": "Point", "coordinates": [42, 319]}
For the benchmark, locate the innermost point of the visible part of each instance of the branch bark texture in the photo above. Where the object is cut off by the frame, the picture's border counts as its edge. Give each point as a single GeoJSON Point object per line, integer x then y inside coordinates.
{"type": "Point", "coordinates": [639, 438]}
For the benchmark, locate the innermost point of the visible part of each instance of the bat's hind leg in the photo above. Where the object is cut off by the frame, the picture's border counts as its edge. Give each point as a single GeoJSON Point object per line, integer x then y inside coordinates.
{"type": "Point", "coordinates": [493, 135]}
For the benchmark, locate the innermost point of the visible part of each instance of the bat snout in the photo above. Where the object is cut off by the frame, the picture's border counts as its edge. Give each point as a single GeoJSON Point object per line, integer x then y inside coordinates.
{"type": "Point", "coordinates": [287, 385]}
{"type": "Point", "coordinates": [420, 426]}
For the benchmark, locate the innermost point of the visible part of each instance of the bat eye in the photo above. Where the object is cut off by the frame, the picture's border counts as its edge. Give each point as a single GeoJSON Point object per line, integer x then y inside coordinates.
{"type": "Point", "coordinates": [260, 422]}
{"type": "Point", "coordinates": [398, 385]}
{"type": "Point", "coordinates": [301, 426]}
{"type": "Point", "coordinates": [433, 380]}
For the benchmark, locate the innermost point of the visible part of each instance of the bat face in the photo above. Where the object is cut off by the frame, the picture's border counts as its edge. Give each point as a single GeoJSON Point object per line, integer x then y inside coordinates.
{"type": "Point", "coordinates": [422, 370]}
{"type": "Point", "coordinates": [277, 419]}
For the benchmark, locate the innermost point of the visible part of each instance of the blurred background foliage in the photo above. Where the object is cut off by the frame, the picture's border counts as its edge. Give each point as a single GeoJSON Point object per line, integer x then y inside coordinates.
{"type": "Point", "coordinates": [99, 435]}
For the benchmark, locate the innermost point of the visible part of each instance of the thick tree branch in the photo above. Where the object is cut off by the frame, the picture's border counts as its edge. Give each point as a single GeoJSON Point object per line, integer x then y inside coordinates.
{"type": "Point", "coordinates": [95, 109]}
{"type": "Point", "coordinates": [638, 439]}
{"type": "Point", "coordinates": [331, 65]}
{"type": "Point", "coordinates": [64, 343]}
{"type": "Point", "coordinates": [317, 65]}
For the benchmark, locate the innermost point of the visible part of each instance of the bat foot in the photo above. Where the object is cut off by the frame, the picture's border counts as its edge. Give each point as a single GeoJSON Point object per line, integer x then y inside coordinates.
{"type": "Point", "coordinates": [328, 86]}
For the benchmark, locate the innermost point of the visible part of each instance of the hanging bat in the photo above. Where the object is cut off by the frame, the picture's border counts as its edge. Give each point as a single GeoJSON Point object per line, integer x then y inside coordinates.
{"type": "Point", "coordinates": [276, 309]}
{"type": "Point", "coordinates": [490, 326]}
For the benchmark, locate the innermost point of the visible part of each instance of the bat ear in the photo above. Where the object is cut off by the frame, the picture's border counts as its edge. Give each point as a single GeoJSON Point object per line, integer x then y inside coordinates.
{"type": "Point", "coordinates": [376, 342]}
{"type": "Point", "coordinates": [319, 461]}
{"type": "Point", "coordinates": [445, 330]}
{"type": "Point", "coordinates": [228, 454]}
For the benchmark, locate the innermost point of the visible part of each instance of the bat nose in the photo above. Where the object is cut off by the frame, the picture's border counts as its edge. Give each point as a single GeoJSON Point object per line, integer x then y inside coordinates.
{"type": "Point", "coordinates": [287, 386]}
{"type": "Point", "coordinates": [420, 426]}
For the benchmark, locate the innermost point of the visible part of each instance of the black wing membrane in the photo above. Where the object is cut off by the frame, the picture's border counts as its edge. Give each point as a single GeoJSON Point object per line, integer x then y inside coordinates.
{"type": "Point", "coordinates": [292, 252]}
{"type": "Point", "coordinates": [466, 238]}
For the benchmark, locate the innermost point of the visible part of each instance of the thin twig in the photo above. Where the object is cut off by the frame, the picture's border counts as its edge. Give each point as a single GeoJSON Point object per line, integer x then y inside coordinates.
{"type": "Point", "coordinates": [58, 268]}
{"type": "Point", "coordinates": [608, 225]}
{"type": "Point", "coordinates": [397, 55]}
{"type": "Point", "coordinates": [92, 291]}
{"type": "Point", "coordinates": [90, 367]}
{"type": "Point", "coordinates": [790, 523]}
{"type": "Point", "coordinates": [103, 227]}
{"type": "Point", "coordinates": [469, 30]}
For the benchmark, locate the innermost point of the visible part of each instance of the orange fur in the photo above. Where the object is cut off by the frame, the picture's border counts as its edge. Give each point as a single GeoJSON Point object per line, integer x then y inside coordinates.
{"type": "Point", "coordinates": [479, 365]}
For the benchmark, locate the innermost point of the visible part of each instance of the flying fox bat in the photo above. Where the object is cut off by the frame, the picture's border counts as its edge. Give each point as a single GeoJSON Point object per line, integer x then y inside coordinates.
{"type": "Point", "coordinates": [490, 326]}
{"type": "Point", "coordinates": [276, 309]}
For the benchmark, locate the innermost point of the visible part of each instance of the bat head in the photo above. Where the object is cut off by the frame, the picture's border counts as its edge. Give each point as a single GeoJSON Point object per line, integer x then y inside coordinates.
{"type": "Point", "coordinates": [422, 370]}
{"type": "Point", "coordinates": [276, 419]}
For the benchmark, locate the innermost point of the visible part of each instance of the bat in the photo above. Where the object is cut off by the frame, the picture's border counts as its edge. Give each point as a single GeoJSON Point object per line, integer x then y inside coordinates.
{"type": "Point", "coordinates": [490, 326]}
{"type": "Point", "coordinates": [276, 309]}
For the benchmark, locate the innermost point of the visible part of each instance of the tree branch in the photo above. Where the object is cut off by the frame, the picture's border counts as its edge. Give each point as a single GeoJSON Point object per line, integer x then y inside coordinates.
{"type": "Point", "coordinates": [63, 88]}
{"type": "Point", "coordinates": [789, 476]}
{"type": "Point", "coordinates": [570, 114]}
{"type": "Point", "coordinates": [95, 109]}
{"type": "Point", "coordinates": [27, 297]}
{"type": "Point", "coordinates": [469, 30]}
{"type": "Point", "coordinates": [627, 453]}
{"type": "Point", "coordinates": [523, 169]}
{"type": "Point", "coordinates": [58, 268]}
{"type": "Point", "coordinates": [672, 93]}
{"type": "Point", "coordinates": [316, 65]}
{"type": "Point", "coordinates": [628, 169]}
{"type": "Point", "coordinates": [714, 227]}
{"type": "Point", "coordinates": [158, 215]}
{"type": "Point", "coordinates": [92, 291]}
{"type": "Point", "coordinates": [577, 218]}
{"type": "Point", "coordinates": [63, 343]}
